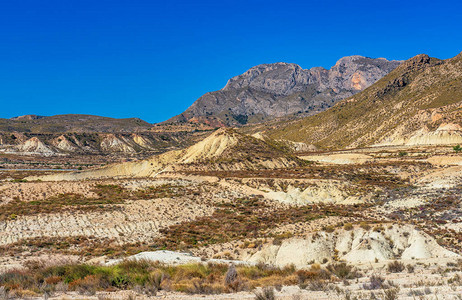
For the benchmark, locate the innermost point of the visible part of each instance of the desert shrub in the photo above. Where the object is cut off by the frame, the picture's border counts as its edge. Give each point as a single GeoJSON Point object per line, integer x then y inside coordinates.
{"type": "Point", "coordinates": [391, 294]}
{"type": "Point", "coordinates": [457, 148]}
{"type": "Point", "coordinates": [379, 229]}
{"type": "Point", "coordinates": [395, 267]}
{"type": "Point", "coordinates": [231, 278]}
{"type": "Point", "coordinates": [375, 282]}
{"type": "Point", "coordinates": [456, 279]}
{"type": "Point", "coordinates": [317, 285]}
{"type": "Point", "coordinates": [365, 226]}
{"type": "Point", "coordinates": [72, 272]}
{"type": "Point", "coordinates": [16, 278]}
{"type": "Point", "coordinates": [155, 279]}
{"type": "Point", "coordinates": [85, 286]}
{"type": "Point", "coordinates": [314, 273]}
{"type": "Point", "coordinates": [343, 271]}
{"type": "Point", "coordinates": [4, 295]}
{"type": "Point", "coordinates": [53, 279]}
{"type": "Point", "coordinates": [419, 293]}
{"type": "Point", "coordinates": [410, 268]}
{"type": "Point", "coordinates": [267, 293]}
{"type": "Point", "coordinates": [148, 277]}
{"type": "Point", "coordinates": [277, 241]}
{"type": "Point", "coordinates": [348, 226]}
{"type": "Point", "coordinates": [329, 229]}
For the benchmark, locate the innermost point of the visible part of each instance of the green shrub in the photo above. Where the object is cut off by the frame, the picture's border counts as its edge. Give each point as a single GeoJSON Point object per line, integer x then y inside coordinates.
{"type": "Point", "coordinates": [457, 148]}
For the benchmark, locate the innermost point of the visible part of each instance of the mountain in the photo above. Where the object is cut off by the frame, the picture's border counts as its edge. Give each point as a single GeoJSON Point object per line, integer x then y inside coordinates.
{"type": "Point", "coordinates": [418, 103]}
{"type": "Point", "coordinates": [274, 90]}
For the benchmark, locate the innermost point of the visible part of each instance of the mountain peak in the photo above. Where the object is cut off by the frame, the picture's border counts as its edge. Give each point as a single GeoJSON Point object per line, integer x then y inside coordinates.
{"type": "Point", "coordinates": [280, 89]}
{"type": "Point", "coordinates": [255, 76]}
{"type": "Point", "coordinates": [418, 62]}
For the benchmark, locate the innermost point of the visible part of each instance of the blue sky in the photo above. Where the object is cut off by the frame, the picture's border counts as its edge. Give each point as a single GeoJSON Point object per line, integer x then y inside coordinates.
{"type": "Point", "coordinates": [152, 59]}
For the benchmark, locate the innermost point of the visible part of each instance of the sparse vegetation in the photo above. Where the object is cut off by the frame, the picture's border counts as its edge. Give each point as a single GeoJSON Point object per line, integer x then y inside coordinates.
{"type": "Point", "coordinates": [148, 278]}
{"type": "Point", "coordinates": [108, 197]}
{"type": "Point", "coordinates": [242, 219]}
{"type": "Point", "coordinates": [395, 267]}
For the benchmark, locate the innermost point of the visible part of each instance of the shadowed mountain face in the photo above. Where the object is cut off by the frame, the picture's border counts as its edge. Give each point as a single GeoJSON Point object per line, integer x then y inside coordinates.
{"type": "Point", "coordinates": [419, 103]}
{"type": "Point", "coordinates": [275, 90]}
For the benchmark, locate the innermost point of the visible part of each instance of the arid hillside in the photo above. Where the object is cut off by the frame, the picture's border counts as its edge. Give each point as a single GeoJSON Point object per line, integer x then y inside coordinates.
{"type": "Point", "coordinates": [419, 103]}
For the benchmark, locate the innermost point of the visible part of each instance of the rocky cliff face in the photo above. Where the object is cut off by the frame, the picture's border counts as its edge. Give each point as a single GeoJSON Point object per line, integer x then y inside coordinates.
{"type": "Point", "coordinates": [279, 89]}
{"type": "Point", "coordinates": [418, 103]}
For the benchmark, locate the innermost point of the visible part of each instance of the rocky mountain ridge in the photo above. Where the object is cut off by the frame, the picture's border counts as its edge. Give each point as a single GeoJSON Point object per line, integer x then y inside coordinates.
{"type": "Point", "coordinates": [274, 90]}
{"type": "Point", "coordinates": [419, 103]}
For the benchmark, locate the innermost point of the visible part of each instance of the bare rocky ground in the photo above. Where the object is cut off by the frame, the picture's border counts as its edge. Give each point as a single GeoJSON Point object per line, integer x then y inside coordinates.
{"type": "Point", "coordinates": [366, 207]}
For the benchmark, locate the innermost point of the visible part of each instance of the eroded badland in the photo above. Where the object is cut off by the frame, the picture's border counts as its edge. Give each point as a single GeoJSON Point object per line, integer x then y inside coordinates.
{"type": "Point", "coordinates": [331, 206]}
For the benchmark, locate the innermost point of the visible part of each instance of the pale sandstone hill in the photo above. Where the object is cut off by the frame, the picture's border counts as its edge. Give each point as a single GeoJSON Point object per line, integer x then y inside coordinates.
{"type": "Point", "coordinates": [419, 103]}
{"type": "Point", "coordinates": [355, 246]}
{"type": "Point", "coordinates": [113, 144]}
{"type": "Point", "coordinates": [117, 144]}
{"type": "Point", "coordinates": [63, 143]}
{"type": "Point", "coordinates": [225, 149]}
{"type": "Point", "coordinates": [35, 146]}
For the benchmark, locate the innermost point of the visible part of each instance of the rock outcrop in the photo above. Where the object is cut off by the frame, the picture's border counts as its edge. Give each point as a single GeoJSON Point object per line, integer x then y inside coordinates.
{"type": "Point", "coordinates": [274, 90]}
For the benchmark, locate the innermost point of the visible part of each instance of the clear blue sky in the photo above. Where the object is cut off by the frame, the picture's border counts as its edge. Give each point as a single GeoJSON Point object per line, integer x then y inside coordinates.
{"type": "Point", "coordinates": [152, 59]}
